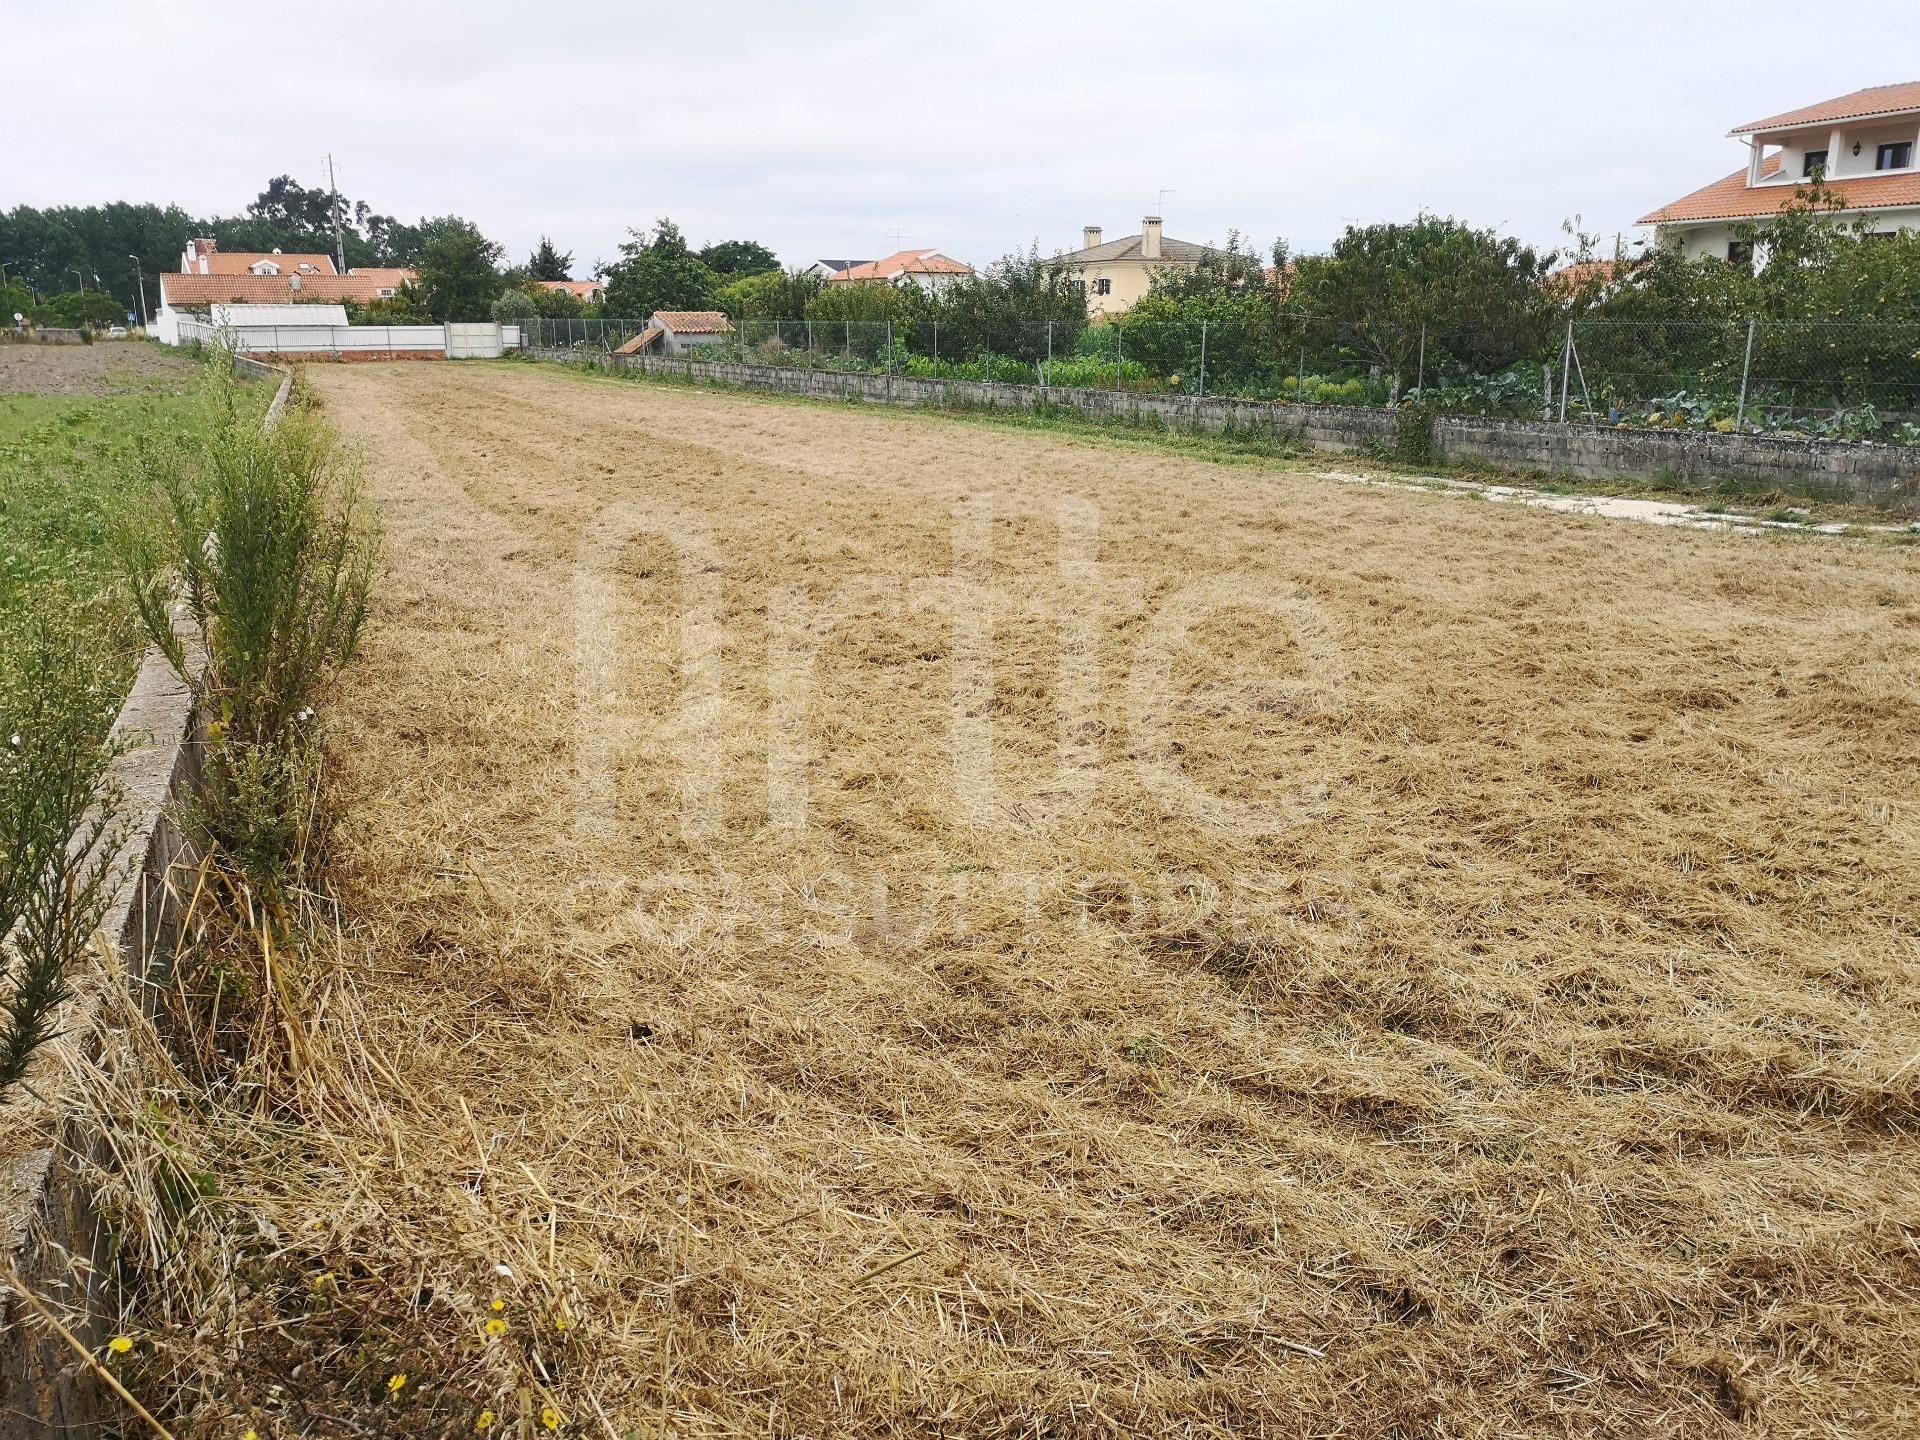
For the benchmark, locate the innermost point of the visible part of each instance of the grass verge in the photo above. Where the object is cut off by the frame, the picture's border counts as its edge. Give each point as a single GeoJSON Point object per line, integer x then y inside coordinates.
{"type": "Point", "coordinates": [1285, 452]}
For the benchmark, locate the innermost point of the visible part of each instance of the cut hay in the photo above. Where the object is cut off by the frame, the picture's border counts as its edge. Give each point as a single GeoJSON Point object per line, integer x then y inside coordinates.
{"type": "Point", "coordinates": [1551, 1069]}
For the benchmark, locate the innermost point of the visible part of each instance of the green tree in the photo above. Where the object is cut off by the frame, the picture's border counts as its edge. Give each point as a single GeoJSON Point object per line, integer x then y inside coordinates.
{"type": "Point", "coordinates": [458, 274]}
{"type": "Point", "coordinates": [657, 272]}
{"type": "Point", "coordinates": [1476, 294]}
{"type": "Point", "coordinates": [1018, 308]}
{"type": "Point", "coordinates": [1215, 320]}
{"type": "Point", "coordinates": [512, 306]}
{"type": "Point", "coordinates": [554, 304]}
{"type": "Point", "coordinates": [547, 263]}
{"type": "Point", "coordinates": [731, 259]}
{"type": "Point", "coordinates": [77, 308]}
{"type": "Point", "coordinates": [770, 295]}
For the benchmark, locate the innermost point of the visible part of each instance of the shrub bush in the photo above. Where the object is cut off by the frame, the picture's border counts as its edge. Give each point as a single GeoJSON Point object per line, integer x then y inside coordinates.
{"type": "Point", "coordinates": [58, 694]}
{"type": "Point", "coordinates": [267, 536]}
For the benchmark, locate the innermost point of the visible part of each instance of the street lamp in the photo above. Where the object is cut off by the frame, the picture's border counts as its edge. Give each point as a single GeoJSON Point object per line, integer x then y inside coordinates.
{"type": "Point", "coordinates": [141, 280]}
{"type": "Point", "coordinates": [75, 272]}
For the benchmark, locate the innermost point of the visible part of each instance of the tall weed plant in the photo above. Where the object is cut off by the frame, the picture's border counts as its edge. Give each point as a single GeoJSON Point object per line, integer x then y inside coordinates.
{"type": "Point", "coordinates": [264, 537]}
{"type": "Point", "coordinates": [58, 813]}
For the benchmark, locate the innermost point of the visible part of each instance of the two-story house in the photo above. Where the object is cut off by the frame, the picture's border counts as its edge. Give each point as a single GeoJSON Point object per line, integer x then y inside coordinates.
{"type": "Point", "coordinates": [1863, 146]}
{"type": "Point", "coordinates": [1118, 272]}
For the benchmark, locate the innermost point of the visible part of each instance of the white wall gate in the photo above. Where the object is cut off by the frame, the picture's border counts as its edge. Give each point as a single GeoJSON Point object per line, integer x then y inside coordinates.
{"type": "Point", "coordinates": [474, 341]}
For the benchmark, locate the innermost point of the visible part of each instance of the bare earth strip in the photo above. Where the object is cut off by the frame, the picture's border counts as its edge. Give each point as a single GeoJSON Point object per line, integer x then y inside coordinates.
{"type": "Point", "coordinates": [1534, 1049]}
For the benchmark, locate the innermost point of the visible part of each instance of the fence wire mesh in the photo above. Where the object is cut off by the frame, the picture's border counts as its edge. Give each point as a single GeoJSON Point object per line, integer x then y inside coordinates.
{"type": "Point", "coordinates": [1853, 380]}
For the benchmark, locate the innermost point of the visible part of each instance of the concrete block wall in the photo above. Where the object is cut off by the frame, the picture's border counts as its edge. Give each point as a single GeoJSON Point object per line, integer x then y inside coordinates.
{"type": "Point", "coordinates": [1881, 475]}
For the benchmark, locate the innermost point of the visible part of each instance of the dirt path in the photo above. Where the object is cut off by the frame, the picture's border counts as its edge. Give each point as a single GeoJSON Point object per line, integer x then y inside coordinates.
{"type": "Point", "coordinates": [1483, 1003]}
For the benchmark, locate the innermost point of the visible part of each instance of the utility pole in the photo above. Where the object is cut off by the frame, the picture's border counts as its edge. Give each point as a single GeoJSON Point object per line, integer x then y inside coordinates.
{"type": "Point", "coordinates": [333, 204]}
{"type": "Point", "coordinates": [141, 279]}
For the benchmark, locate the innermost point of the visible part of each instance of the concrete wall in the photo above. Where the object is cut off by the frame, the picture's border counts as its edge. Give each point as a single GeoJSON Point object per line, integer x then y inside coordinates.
{"type": "Point", "coordinates": [1865, 474]}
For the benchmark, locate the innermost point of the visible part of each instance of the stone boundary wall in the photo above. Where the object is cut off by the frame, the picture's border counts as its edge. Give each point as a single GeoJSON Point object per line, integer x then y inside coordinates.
{"type": "Point", "coordinates": [1881, 475]}
{"type": "Point", "coordinates": [53, 1239]}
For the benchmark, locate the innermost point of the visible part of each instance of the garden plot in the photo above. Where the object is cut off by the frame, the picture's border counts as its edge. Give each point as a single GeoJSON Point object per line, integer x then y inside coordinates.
{"type": "Point", "coordinates": [1452, 971]}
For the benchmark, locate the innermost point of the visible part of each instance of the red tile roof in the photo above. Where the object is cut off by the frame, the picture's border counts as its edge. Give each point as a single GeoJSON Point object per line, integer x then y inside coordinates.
{"type": "Point", "coordinates": [387, 277]}
{"type": "Point", "coordinates": [1584, 275]}
{"type": "Point", "coordinates": [581, 289]}
{"type": "Point", "coordinates": [265, 289]}
{"type": "Point", "coordinates": [1734, 199]}
{"type": "Point", "coordinates": [1874, 100]}
{"type": "Point", "coordinates": [904, 262]}
{"type": "Point", "coordinates": [643, 341]}
{"type": "Point", "coordinates": [692, 322]}
{"type": "Point", "coordinates": [239, 262]}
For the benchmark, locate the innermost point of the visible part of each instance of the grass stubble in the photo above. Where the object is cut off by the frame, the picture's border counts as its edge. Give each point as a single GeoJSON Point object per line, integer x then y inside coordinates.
{"type": "Point", "coordinates": [1553, 1072]}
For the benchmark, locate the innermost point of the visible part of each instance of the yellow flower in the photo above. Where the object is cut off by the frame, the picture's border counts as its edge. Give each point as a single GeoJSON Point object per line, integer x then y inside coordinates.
{"type": "Point", "coordinates": [499, 1304]}
{"type": "Point", "coordinates": [550, 1417]}
{"type": "Point", "coordinates": [396, 1384]}
{"type": "Point", "coordinates": [496, 1327]}
{"type": "Point", "coordinates": [251, 1435]}
{"type": "Point", "coordinates": [120, 1344]}
{"type": "Point", "coordinates": [484, 1420]}
{"type": "Point", "coordinates": [560, 1322]}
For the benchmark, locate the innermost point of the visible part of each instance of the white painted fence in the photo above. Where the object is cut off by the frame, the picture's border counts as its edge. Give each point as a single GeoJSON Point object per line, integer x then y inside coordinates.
{"type": "Point", "coordinates": [459, 341]}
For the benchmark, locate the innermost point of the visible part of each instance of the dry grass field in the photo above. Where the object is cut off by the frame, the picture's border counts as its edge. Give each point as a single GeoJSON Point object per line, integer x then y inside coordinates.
{"type": "Point", "coordinates": [1464, 983]}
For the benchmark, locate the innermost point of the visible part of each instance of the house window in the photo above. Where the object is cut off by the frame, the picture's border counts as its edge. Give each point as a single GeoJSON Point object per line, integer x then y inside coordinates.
{"type": "Point", "coordinates": [1103, 286]}
{"type": "Point", "coordinates": [1814, 165]}
{"type": "Point", "coordinates": [1896, 156]}
{"type": "Point", "coordinates": [1740, 252]}
{"type": "Point", "coordinates": [385, 294]}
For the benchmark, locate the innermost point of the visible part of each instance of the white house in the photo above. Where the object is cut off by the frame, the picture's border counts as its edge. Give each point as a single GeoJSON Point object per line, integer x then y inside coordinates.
{"type": "Point", "coordinates": [205, 257]}
{"type": "Point", "coordinates": [1863, 146]}
{"type": "Point", "coordinates": [827, 269]}
{"type": "Point", "coordinates": [931, 270]}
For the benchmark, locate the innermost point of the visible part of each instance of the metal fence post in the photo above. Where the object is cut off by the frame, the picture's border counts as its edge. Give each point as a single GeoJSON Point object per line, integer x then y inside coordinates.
{"type": "Point", "coordinates": [1420, 373]}
{"type": "Point", "coordinates": [936, 342]}
{"type": "Point", "coordinates": [1300, 384]}
{"type": "Point", "coordinates": [889, 351]}
{"type": "Point", "coordinates": [1746, 370]}
{"type": "Point", "coordinates": [1566, 365]}
{"type": "Point", "coordinates": [1203, 359]}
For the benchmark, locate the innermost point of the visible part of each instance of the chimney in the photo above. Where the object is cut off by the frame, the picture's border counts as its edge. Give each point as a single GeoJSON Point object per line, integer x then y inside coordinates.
{"type": "Point", "coordinates": [1150, 238]}
{"type": "Point", "coordinates": [204, 247]}
{"type": "Point", "coordinates": [294, 283]}
{"type": "Point", "coordinates": [1089, 236]}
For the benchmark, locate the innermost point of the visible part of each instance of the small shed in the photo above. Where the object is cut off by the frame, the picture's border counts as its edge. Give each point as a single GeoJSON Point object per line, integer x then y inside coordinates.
{"type": "Point", "coordinates": [675, 332]}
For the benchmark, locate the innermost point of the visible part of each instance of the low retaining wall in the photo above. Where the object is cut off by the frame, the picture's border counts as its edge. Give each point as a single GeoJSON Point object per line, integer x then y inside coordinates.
{"type": "Point", "coordinates": [348, 356]}
{"type": "Point", "coordinates": [1861, 473]}
{"type": "Point", "coordinates": [51, 1234]}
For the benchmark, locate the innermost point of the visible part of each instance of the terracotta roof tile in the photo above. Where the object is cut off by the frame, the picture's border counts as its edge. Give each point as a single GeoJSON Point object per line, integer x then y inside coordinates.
{"type": "Point", "coordinates": [1874, 100]}
{"type": "Point", "coordinates": [390, 277]}
{"type": "Point", "coordinates": [1734, 199]}
{"type": "Point", "coordinates": [693, 322]}
{"type": "Point", "coordinates": [580, 289]}
{"type": "Point", "coordinates": [904, 262]}
{"type": "Point", "coordinates": [239, 262]}
{"type": "Point", "coordinates": [265, 289]}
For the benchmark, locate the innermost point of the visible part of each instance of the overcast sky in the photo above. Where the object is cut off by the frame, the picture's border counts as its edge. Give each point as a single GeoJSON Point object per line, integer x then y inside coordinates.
{"type": "Point", "coordinates": [975, 128]}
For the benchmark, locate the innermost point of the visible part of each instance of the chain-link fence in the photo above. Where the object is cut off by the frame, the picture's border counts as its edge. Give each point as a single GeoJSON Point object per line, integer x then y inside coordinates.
{"type": "Point", "coordinates": [1854, 380]}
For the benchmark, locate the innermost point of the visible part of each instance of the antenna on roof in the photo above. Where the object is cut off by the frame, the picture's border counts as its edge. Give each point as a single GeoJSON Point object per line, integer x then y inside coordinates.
{"type": "Point", "coordinates": [333, 204]}
{"type": "Point", "coordinates": [1160, 205]}
{"type": "Point", "coordinates": [898, 236]}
